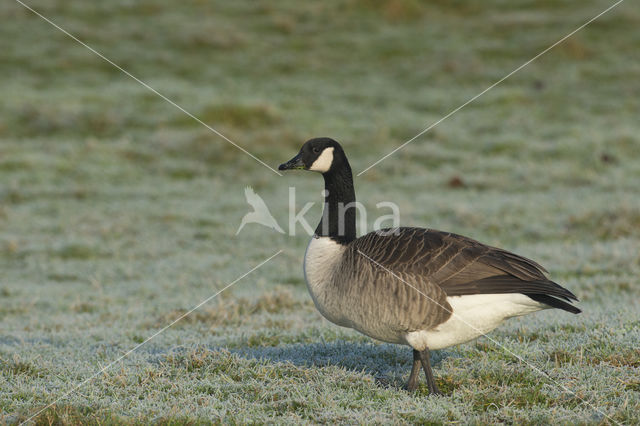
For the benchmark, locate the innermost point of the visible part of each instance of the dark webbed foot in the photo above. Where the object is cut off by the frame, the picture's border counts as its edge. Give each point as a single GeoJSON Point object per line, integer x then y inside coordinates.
{"type": "Point", "coordinates": [421, 360]}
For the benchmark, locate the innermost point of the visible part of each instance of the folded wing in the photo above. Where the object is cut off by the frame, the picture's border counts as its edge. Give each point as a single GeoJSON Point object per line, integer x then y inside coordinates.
{"type": "Point", "coordinates": [462, 266]}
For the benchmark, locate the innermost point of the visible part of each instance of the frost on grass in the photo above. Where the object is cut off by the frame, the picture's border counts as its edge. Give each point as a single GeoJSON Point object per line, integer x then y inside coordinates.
{"type": "Point", "coordinates": [228, 310]}
{"type": "Point", "coordinates": [118, 213]}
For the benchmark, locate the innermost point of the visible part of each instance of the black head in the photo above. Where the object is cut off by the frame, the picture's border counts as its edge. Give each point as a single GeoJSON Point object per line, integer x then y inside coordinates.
{"type": "Point", "coordinates": [319, 155]}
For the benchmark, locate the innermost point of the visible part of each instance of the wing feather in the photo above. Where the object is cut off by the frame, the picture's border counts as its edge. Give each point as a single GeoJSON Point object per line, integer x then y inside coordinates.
{"type": "Point", "coordinates": [458, 265]}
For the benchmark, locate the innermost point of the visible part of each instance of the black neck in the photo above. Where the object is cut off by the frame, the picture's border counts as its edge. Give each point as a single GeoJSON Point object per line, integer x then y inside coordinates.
{"type": "Point", "coordinates": [339, 212]}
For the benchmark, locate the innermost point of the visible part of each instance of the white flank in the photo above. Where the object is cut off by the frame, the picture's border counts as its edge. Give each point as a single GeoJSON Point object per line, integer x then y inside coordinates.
{"type": "Point", "coordinates": [473, 316]}
{"type": "Point", "coordinates": [320, 261]}
{"type": "Point", "coordinates": [323, 163]}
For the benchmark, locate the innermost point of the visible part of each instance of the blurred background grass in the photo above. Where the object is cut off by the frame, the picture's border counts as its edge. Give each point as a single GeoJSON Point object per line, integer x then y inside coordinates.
{"type": "Point", "coordinates": [118, 212]}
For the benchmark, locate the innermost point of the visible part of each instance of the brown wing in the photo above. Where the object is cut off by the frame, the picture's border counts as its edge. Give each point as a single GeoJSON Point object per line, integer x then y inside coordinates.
{"type": "Point", "coordinates": [459, 265]}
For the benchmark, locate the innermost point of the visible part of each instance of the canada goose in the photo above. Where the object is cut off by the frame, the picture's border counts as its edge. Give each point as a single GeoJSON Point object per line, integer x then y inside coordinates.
{"type": "Point", "coordinates": [419, 287]}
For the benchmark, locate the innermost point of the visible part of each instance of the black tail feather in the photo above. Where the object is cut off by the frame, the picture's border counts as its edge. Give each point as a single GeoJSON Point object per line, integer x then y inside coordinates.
{"type": "Point", "coordinates": [499, 284]}
{"type": "Point", "coordinates": [554, 303]}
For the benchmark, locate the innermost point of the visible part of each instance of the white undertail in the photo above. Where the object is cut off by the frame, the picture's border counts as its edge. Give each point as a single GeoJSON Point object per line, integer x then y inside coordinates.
{"type": "Point", "coordinates": [473, 316]}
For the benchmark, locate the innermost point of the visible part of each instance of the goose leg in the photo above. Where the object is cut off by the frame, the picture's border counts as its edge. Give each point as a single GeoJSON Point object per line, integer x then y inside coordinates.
{"type": "Point", "coordinates": [412, 385]}
{"type": "Point", "coordinates": [426, 364]}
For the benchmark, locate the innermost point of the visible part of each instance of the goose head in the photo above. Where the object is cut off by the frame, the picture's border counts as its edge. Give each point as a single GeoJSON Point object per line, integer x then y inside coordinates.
{"type": "Point", "coordinates": [321, 155]}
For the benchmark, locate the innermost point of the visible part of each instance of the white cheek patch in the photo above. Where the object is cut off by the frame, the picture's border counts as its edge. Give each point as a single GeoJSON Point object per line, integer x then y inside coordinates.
{"type": "Point", "coordinates": [323, 163]}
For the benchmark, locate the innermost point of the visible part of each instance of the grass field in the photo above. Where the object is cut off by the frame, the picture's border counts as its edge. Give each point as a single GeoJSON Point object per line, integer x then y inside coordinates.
{"type": "Point", "coordinates": [118, 212]}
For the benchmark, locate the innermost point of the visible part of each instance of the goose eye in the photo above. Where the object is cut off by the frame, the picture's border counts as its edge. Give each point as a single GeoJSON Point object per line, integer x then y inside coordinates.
{"type": "Point", "coordinates": [316, 149]}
